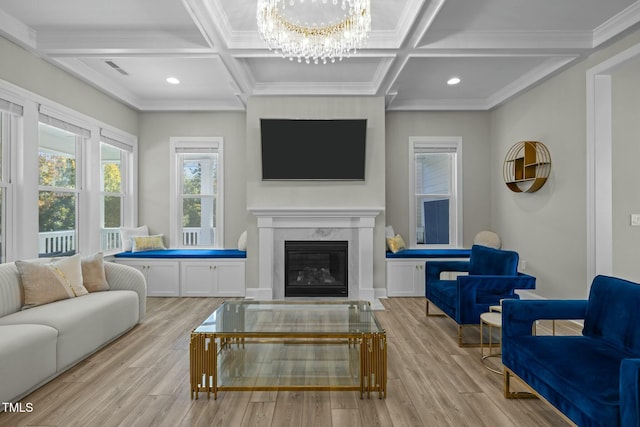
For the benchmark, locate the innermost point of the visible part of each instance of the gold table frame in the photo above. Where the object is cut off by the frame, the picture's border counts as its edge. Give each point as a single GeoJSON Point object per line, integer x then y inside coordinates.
{"type": "Point", "coordinates": [205, 348]}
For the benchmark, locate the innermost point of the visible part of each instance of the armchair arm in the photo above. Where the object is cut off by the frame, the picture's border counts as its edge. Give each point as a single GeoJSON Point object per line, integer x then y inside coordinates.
{"type": "Point", "coordinates": [124, 277]}
{"type": "Point", "coordinates": [630, 392]}
{"type": "Point", "coordinates": [518, 315]}
{"type": "Point", "coordinates": [496, 284]}
{"type": "Point", "coordinates": [434, 268]}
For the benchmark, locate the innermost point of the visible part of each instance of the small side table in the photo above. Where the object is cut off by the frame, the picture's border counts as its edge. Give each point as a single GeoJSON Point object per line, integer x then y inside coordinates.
{"type": "Point", "coordinates": [492, 319]}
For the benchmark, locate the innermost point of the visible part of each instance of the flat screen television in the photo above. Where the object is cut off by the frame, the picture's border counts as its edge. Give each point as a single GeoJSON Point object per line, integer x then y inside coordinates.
{"type": "Point", "coordinates": [307, 149]}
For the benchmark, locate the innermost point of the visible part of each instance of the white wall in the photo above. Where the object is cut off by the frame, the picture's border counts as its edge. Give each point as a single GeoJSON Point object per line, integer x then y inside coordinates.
{"type": "Point", "coordinates": [474, 128]}
{"type": "Point", "coordinates": [548, 228]}
{"type": "Point", "coordinates": [153, 175]}
{"type": "Point", "coordinates": [23, 69]}
{"type": "Point", "coordinates": [626, 177]}
{"type": "Point", "coordinates": [367, 193]}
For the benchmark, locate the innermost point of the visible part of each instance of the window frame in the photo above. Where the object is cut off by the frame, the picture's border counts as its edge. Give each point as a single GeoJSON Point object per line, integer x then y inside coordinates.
{"type": "Point", "coordinates": [179, 145]}
{"type": "Point", "coordinates": [11, 124]}
{"type": "Point", "coordinates": [81, 142]}
{"type": "Point", "coordinates": [451, 144]}
{"type": "Point", "coordinates": [127, 146]}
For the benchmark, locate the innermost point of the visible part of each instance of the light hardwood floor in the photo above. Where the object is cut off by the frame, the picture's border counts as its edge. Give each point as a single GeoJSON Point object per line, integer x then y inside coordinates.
{"type": "Point", "coordinates": [142, 380]}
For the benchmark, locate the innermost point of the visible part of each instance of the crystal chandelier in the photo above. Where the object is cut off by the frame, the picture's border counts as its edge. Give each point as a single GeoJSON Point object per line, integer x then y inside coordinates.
{"type": "Point", "coordinates": [318, 31]}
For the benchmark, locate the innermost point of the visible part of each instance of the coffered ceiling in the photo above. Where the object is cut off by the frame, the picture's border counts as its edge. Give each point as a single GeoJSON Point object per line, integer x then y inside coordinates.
{"type": "Point", "coordinates": [127, 48]}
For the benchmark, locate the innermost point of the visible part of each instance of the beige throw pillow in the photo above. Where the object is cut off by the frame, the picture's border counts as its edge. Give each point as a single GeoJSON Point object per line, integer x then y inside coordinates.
{"type": "Point", "coordinates": [127, 235]}
{"type": "Point", "coordinates": [147, 243]}
{"type": "Point", "coordinates": [93, 275]}
{"type": "Point", "coordinates": [45, 283]}
{"type": "Point", "coordinates": [396, 243]}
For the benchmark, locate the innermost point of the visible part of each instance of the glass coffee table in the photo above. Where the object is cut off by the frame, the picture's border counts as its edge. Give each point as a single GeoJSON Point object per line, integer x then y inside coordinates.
{"type": "Point", "coordinates": [285, 345]}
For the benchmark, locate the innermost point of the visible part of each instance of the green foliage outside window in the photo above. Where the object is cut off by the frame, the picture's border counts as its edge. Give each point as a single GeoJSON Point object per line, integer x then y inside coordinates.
{"type": "Point", "coordinates": [57, 210]}
{"type": "Point", "coordinates": [112, 180]}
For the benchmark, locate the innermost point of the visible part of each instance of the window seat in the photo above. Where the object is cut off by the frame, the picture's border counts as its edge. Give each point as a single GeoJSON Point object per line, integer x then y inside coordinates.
{"type": "Point", "coordinates": [430, 253]}
{"type": "Point", "coordinates": [185, 253]}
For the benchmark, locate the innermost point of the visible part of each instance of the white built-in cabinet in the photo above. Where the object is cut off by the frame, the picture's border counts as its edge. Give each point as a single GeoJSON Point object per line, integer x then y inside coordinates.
{"type": "Point", "coordinates": [191, 277]}
{"type": "Point", "coordinates": [204, 278]}
{"type": "Point", "coordinates": [163, 276]}
{"type": "Point", "coordinates": [405, 277]}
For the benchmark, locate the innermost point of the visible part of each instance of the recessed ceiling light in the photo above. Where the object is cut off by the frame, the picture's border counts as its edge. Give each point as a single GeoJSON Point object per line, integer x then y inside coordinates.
{"type": "Point", "coordinates": [453, 81]}
{"type": "Point", "coordinates": [173, 80]}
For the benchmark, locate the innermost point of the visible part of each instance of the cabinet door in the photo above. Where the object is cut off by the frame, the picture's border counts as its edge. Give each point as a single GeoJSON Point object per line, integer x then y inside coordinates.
{"type": "Point", "coordinates": [138, 265]}
{"type": "Point", "coordinates": [405, 278]}
{"type": "Point", "coordinates": [163, 278]}
{"type": "Point", "coordinates": [196, 278]}
{"type": "Point", "coordinates": [229, 279]}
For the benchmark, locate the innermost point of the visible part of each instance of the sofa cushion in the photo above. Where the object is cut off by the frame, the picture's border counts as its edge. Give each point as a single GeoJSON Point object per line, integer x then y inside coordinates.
{"type": "Point", "coordinates": [84, 324]}
{"type": "Point", "coordinates": [578, 375]}
{"type": "Point", "coordinates": [28, 355]}
{"type": "Point", "coordinates": [45, 283]}
{"type": "Point", "coordinates": [10, 289]}
{"type": "Point", "coordinates": [608, 315]}
{"type": "Point", "coordinates": [486, 261]}
{"type": "Point", "coordinates": [93, 275]}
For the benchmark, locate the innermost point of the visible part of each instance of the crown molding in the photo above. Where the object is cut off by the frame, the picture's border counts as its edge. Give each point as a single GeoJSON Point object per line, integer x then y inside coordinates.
{"type": "Point", "coordinates": [535, 75]}
{"type": "Point", "coordinates": [17, 31]}
{"type": "Point", "coordinates": [507, 40]}
{"type": "Point", "coordinates": [617, 24]}
{"type": "Point", "coordinates": [319, 88]}
{"type": "Point", "coordinates": [72, 41]}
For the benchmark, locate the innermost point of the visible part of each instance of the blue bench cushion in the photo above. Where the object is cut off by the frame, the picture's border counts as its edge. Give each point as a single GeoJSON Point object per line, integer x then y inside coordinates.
{"type": "Point", "coordinates": [185, 253]}
{"type": "Point", "coordinates": [430, 253]}
{"type": "Point", "coordinates": [578, 375]}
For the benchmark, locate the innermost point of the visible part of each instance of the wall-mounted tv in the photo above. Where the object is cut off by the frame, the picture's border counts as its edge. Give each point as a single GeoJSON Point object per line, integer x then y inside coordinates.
{"type": "Point", "coordinates": [307, 149]}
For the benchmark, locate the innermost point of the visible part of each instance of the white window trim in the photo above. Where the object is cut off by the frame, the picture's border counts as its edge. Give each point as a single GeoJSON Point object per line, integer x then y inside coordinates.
{"type": "Point", "coordinates": [128, 144]}
{"type": "Point", "coordinates": [175, 211]}
{"type": "Point", "coordinates": [81, 230]}
{"type": "Point", "coordinates": [435, 143]}
{"type": "Point", "coordinates": [24, 159]}
{"type": "Point", "coordinates": [10, 135]}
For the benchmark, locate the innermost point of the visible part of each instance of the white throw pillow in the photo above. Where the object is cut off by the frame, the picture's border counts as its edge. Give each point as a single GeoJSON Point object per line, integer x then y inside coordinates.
{"type": "Point", "coordinates": [242, 241]}
{"type": "Point", "coordinates": [388, 232]}
{"type": "Point", "coordinates": [127, 234]}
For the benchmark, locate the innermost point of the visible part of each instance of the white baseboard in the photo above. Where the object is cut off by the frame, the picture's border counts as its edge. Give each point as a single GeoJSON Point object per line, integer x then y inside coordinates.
{"type": "Point", "coordinates": [259, 293]}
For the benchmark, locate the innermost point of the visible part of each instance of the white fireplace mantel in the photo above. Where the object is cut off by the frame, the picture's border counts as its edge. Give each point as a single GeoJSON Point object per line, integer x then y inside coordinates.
{"type": "Point", "coordinates": [275, 225]}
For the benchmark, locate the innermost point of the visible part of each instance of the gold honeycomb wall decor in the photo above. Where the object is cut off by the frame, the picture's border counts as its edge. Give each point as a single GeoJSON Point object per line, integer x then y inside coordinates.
{"type": "Point", "coordinates": [526, 166]}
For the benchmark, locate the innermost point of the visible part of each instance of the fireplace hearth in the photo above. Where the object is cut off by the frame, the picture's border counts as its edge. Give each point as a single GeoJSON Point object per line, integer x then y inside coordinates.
{"type": "Point", "coordinates": [316, 268]}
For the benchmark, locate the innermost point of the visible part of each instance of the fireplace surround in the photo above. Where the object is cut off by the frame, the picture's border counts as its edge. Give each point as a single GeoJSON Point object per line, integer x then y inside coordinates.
{"type": "Point", "coordinates": [276, 225]}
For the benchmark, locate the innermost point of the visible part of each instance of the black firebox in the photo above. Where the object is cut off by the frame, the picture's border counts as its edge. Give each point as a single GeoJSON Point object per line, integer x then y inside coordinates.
{"type": "Point", "coordinates": [315, 268]}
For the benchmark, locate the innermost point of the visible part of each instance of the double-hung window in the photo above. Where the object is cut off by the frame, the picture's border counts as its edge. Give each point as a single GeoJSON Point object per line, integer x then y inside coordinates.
{"type": "Point", "coordinates": [435, 176]}
{"type": "Point", "coordinates": [116, 201]}
{"type": "Point", "coordinates": [10, 113]}
{"type": "Point", "coordinates": [60, 165]}
{"type": "Point", "coordinates": [196, 188]}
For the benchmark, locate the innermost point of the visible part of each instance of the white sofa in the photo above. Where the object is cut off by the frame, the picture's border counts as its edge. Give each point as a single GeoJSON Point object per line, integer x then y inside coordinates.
{"type": "Point", "coordinates": [40, 343]}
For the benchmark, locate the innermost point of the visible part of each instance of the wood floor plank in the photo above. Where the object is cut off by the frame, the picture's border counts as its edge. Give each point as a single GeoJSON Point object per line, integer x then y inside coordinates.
{"type": "Point", "coordinates": [345, 418]}
{"type": "Point", "coordinates": [142, 379]}
{"type": "Point", "coordinates": [288, 410]}
{"type": "Point", "coordinates": [258, 414]}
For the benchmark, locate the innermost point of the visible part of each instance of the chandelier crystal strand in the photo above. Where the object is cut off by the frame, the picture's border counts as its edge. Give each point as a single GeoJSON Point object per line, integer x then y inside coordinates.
{"type": "Point", "coordinates": [315, 42]}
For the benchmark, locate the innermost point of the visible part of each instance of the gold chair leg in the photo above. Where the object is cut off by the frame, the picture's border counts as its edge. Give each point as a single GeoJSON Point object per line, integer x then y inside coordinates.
{"type": "Point", "coordinates": [461, 342]}
{"type": "Point", "coordinates": [508, 394]}
{"type": "Point", "coordinates": [432, 314]}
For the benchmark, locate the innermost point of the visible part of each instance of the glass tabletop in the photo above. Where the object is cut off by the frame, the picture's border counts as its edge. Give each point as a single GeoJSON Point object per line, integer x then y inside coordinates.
{"type": "Point", "coordinates": [307, 318]}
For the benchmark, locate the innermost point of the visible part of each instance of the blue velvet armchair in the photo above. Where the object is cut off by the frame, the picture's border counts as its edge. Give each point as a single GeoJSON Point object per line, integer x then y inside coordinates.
{"type": "Point", "coordinates": [492, 276]}
{"type": "Point", "coordinates": [593, 378]}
